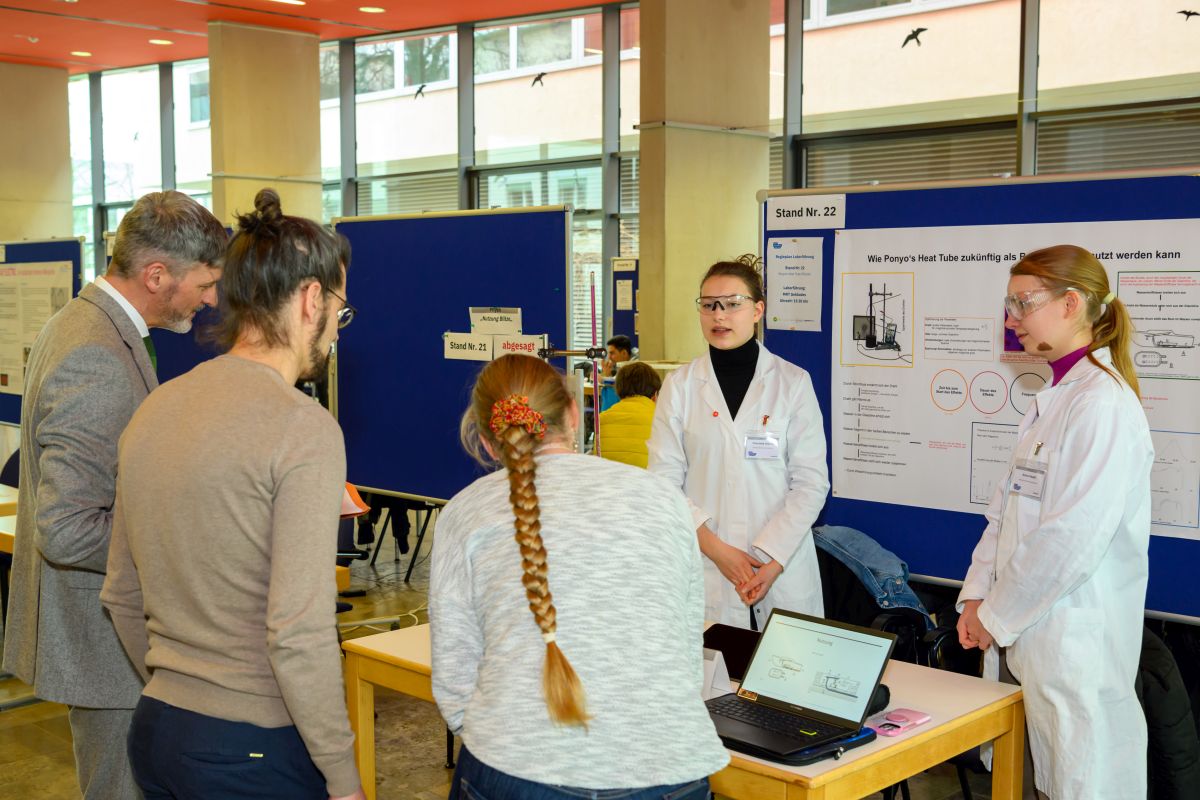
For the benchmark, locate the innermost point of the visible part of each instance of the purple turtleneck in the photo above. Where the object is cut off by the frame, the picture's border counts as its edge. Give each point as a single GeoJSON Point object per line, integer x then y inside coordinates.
{"type": "Point", "coordinates": [1062, 366]}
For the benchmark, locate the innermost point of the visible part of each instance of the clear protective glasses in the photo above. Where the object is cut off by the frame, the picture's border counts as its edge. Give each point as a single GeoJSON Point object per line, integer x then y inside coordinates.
{"type": "Point", "coordinates": [1020, 305]}
{"type": "Point", "coordinates": [345, 314]}
{"type": "Point", "coordinates": [733, 303]}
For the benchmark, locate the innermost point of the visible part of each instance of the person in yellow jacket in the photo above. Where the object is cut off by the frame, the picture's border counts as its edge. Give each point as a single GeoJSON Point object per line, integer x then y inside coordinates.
{"type": "Point", "coordinates": [625, 427]}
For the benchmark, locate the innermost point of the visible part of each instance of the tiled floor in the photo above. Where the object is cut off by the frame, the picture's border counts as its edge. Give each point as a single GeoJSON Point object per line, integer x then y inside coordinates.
{"type": "Point", "coordinates": [36, 762]}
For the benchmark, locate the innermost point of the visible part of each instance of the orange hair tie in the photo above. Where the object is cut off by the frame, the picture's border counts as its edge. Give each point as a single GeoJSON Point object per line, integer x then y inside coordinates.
{"type": "Point", "coordinates": [515, 410]}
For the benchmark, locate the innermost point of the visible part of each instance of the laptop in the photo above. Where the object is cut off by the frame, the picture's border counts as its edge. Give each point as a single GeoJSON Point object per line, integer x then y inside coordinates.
{"type": "Point", "coordinates": [809, 682]}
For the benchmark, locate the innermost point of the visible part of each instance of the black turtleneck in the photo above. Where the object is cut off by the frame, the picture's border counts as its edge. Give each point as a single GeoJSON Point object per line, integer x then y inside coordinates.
{"type": "Point", "coordinates": [735, 370]}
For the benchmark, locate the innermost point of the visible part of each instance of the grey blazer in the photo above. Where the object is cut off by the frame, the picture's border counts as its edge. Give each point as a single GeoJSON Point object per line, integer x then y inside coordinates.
{"type": "Point", "coordinates": [88, 372]}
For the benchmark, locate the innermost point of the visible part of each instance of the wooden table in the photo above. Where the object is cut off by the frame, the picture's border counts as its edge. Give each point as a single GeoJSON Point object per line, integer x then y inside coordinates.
{"type": "Point", "coordinates": [8, 500]}
{"type": "Point", "coordinates": [966, 712]}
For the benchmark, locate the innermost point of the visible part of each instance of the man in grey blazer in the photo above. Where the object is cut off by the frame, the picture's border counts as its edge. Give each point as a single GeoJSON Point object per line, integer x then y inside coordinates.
{"type": "Point", "coordinates": [88, 371]}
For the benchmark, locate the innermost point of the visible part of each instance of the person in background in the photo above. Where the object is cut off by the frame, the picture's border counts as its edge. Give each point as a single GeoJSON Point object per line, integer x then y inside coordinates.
{"type": "Point", "coordinates": [592, 689]}
{"type": "Point", "coordinates": [740, 432]}
{"type": "Point", "coordinates": [90, 368]}
{"type": "Point", "coordinates": [1057, 582]}
{"type": "Point", "coordinates": [625, 427]}
{"type": "Point", "coordinates": [620, 350]}
{"type": "Point", "coordinates": [221, 570]}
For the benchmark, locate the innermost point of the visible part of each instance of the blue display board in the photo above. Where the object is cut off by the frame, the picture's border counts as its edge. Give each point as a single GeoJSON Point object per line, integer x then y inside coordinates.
{"type": "Point", "coordinates": [938, 543]}
{"type": "Point", "coordinates": [624, 321]}
{"type": "Point", "coordinates": [179, 352]}
{"type": "Point", "coordinates": [33, 253]}
{"type": "Point", "coordinates": [412, 279]}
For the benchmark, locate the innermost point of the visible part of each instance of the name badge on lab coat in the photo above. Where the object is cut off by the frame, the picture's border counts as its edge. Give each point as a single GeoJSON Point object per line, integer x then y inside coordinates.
{"type": "Point", "coordinates": [762, 446]}
{"type": "Point", "coordinates": [1028, 478]}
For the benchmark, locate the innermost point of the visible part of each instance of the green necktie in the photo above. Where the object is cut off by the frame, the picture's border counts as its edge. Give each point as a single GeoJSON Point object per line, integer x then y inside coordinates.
{"type": "Point", "coordinates": [150, 349]}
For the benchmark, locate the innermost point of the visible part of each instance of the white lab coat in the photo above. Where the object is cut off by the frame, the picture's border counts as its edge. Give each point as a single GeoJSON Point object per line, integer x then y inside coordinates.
{"type": "Point", "coordinates": [1063, 583]}
{"type": "Point", "coordinates": [765, 507]}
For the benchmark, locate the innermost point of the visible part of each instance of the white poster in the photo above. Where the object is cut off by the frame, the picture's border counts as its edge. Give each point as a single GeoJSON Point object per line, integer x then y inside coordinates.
{"type": "Point", "coordinates": [527, 345]}
{"type": "Point", "coordinates": [806, 212]}
{"type": "Point", "coordinates": [493, 319]}
{"type": "Point", "coordinates": [794, 287]}
{"type": "Point", "coordinates": [29, 295]}
{"type": "Point", "coordinates": [467, 346]}
{"type": "Point", "coordinates": [624, 299]}
{"type": "Point", "coordinates": [928, 391]}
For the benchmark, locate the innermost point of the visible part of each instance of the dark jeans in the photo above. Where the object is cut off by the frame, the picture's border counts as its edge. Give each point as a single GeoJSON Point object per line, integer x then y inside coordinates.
{"type": "Point", "coordinates": [182, 755]}
{"type": "Point", "coordinates": [474, 780]}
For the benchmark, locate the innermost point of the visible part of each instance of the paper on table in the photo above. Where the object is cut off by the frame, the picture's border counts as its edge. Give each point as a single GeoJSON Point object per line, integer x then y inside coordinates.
{"type": "Point", "coordinates": [716, 675]}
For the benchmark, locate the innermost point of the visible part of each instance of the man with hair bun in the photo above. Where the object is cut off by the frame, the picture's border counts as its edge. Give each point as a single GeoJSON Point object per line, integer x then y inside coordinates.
{"type": "Point", "coordinates": [224, 596]}
{"type": "Point", "coordinates": [88, 371]}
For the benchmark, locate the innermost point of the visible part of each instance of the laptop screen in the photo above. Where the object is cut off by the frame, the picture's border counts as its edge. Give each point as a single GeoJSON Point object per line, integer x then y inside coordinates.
{"type": "Point", "coordinates": [803, 661]}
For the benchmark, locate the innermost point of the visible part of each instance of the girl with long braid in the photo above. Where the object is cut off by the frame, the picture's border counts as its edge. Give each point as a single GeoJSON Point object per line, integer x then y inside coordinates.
{"type": "Point", "coordinates": [1057, 584]}
{"type": "Point", "coordinates": [623, 714]}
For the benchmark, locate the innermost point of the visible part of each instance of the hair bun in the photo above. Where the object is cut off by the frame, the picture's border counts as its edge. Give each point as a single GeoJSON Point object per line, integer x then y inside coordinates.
{"type": "Point", "coordinates": [266, 203]}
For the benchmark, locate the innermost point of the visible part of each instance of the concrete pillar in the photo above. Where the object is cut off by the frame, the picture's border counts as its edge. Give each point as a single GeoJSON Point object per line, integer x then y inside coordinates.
{"type": "Point", "coordinates": [35, 154]}
{"type": "Point", "coordinates": [705, 70]}
{"type": "Point", "coordinates": [265, 98]}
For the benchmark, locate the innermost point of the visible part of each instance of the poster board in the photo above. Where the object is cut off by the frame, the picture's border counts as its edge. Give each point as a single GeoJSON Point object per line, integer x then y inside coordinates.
{"type": "Point", "coordinates": [937, 255]}
{"type": "Point", "coordinates": [400, 388]}
{"type": "Point", "coordinates": [37, 278]}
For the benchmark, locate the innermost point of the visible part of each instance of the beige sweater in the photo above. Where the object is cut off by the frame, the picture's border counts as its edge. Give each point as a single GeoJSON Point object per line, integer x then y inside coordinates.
{"type": "Point", "coordinates": [221, 568]}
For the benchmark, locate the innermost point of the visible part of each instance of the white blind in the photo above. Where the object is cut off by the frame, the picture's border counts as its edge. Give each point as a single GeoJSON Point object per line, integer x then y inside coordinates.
{"type": "Point", "coordinates": [1145, 139]}
{"type": "Point", "coordinates": [409, 194]}
{"type": "Point", "coordinates": [775, 180]}
{"type": "Point", "coordinates": [923, 156]}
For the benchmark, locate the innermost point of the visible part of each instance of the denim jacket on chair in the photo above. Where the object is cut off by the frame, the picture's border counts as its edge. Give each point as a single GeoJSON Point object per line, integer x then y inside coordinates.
{"type": "Point", "coordinates": [879, 569]}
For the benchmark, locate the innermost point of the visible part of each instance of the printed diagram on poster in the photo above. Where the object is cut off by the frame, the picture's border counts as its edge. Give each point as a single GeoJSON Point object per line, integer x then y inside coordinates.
{"type": "Point", "coordinates": [876, 329]}
{"type": "Point", "coordinates": [1165, 307]}
{"type": "Point", "coordinates": [939, 431]}
{"type": "Point", "coordinates": [794, 268]}
{"type": "Point", "coordinates": [29, 295]}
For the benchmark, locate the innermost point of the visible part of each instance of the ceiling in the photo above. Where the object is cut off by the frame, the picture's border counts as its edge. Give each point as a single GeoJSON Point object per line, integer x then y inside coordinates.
{"type": "Point", "coordinates": [117, 33]}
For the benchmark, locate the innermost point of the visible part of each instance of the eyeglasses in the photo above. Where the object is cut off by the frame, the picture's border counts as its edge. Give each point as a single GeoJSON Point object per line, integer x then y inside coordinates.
{"type": "Point", "coordinates": [1020, 305]}
{"type": "Point", "coordinates": [345, 314]}
{"type": "Point", "coordinates": [732, 303]}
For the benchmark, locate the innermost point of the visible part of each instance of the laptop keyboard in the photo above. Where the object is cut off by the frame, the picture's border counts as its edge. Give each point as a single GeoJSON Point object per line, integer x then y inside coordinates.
{"type": "Point", "coordinates": [768, 718]}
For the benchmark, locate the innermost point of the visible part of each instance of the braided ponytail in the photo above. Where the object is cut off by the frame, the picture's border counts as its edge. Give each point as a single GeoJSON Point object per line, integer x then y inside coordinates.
{"type": "Point", "coordinates": [503, 413]}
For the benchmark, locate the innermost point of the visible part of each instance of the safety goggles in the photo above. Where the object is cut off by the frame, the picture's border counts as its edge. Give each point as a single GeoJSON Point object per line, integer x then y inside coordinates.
{"type": "Point", "coordinates": [1020, 305]}
{"type": "Point", "coordinates": [732, 303]}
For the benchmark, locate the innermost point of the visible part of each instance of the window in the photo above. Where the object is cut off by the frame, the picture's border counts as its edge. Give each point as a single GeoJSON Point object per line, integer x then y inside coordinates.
{"type": "Point", "coordinates": [491, 50]}
{"type": "Point", "coordinates": [415, 127]}
{"type": "Point", "coordinates": [628, 218]}
{"type": "Point", "coordinates": [198, 95]}
{"type": "Point", "coordinates": [910, 63]}
{"type": "Point", "coordinates": [374, 67]}
{"type": "Point", "coordinates": [426, 60]}
{"type": "Point", "coordinates": [914, 156]}
{"type": "Point", "coordinates": [1131, 140]}
{"type": "Point", "coordinates": [409, 194]}
{"type": "Point", "coordinates": [544, 102]}
{"type": "Point", "coordinates": [631, 77]}
{"type": "Point", "coordinates": [850, 6]}
{"type": "Point", "coordinates": [1114, 53]}
{"type": "Point", "coordinates": [553, 186]}
{"type": "Point", "coordinates": [79, 116]}
{"type": "Point", "coordinates": [543, 43]}
{"type": "Point", "coordinates": [331, 85]}
{"type": "Point", "coordinates": [193, 137]}
{"type": "Point", "coordinates": [331, 131]}
{"type": "Point", "coordinates": [132, 153]}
